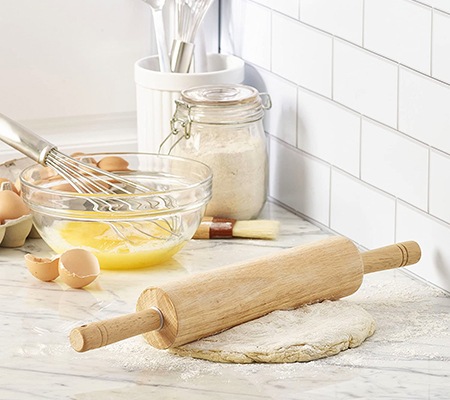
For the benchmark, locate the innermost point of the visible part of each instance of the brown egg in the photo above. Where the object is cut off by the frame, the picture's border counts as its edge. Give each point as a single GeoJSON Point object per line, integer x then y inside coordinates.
{"type": "Point", "coordinates": [90, 187]}
{"type": "Point", "coordinates": [64, 187]}
{"type": "Point", "coordinates": [11, 205]}
{"type": "Point", "coordinates": [57, 182]}
{"type": "Point", "coordinates": [78, 268]}
{"type": "Point", "coordinates": [77, 154]}
{"type": "Point", "coordinates": [113, 163]}
{"type": "Point", "coordinates": [44, 269]}
{"type": "Point", "coordinates": [13, 186]}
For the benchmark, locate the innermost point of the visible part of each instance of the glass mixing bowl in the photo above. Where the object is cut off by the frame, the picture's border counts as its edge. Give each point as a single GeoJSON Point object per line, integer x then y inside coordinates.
{"type": "Point", "coordinates": [133, 230]}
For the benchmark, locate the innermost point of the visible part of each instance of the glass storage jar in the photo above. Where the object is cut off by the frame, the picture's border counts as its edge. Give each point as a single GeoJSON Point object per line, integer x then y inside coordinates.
{"type": "Point", "coordinates": [221, 126]}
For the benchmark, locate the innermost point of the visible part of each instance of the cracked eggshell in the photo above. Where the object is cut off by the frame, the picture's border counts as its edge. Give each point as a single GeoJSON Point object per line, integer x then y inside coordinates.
{"type": "Point", "coordinates": [44, 269]}
{"type": "Point", "coordinates": [78, 268]}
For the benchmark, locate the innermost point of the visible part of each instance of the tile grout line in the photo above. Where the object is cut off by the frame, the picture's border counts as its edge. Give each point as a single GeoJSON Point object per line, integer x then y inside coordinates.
{"type": "Point", "coordinates": [431, 7]}
{"type": "Point", "coordinates": [296, 118]}
{"type": "Point", "coordinates": [428, 180]}
{"type": "Point", "coordinates": [395, 218]}
{"type": "Point", "coordinates": [431, 43]}
{"type": "Point", "coordinates": [271, 40]}
{"type": "Point", "coordinates": [397, 127]}
{"type": "Point", "coordinates": [330, 186]}
{"type": "Point", "coordinates": [360, 147]}
{"type": "Point", "coordinates": [332, 69]}
{"type": "Point", "coordinates": [363, 25]}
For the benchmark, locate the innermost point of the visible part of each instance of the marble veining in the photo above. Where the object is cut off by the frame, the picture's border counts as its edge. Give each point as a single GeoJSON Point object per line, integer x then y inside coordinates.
{"type": "Point", "coordinates": [407, 357]}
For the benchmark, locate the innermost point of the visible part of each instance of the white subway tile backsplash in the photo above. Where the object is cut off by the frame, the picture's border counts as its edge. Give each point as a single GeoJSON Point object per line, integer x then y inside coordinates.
{"type": "Point", "coordinates": [441, 46]}
{"type": "Point", "coordinates": [343, 18]}
{"type": "Point", "coordinates": [400, 30]}
{"type": "Point", "coordinates": [394, 163]}
{"type": "Point", "coordinates": [365, 82]}
{"type": "Point", "coordinates": [424, 109]}
{"type": "Point", "coordinates": [328, 131]}
{"type": "Point", "coordinates": [288, 7]}
{"type": "Point", "coordinates": [246, 31]}
{"type": "Point", "coordinates": [359, 131]}
{"type": "Point", "coordinates": [361, 212]}
{"type": "Point", "coordinates": [301, 54]}
{"type": "Point", "coordinates": [299, 181]}
{"type": "Point", "coordinates": [443, 5]}
{"type": "Point", "coordinates": [433, 237]}
{"type": "Point", "coordinates": [440, 185]}
{"type": "Point", "coordinates": [281, 119]}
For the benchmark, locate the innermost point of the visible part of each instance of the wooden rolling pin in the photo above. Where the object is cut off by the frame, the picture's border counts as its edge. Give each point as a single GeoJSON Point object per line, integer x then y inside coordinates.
{"type": "Point", "coordinates": [203, 304]}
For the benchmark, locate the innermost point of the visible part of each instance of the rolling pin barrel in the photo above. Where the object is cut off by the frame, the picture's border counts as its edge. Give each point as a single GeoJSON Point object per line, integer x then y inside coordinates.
{"type": "Point", "coordinates": [207, 303]}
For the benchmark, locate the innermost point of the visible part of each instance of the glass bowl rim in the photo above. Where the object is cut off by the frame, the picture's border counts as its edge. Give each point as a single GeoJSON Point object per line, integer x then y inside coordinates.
{"type": "Point", "coordinates": [202, 182]}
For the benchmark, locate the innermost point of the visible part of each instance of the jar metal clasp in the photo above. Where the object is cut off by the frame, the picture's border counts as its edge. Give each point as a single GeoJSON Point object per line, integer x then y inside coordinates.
{"type": "Point", "coordinates": [181, 122]}
{"type": "Point", "coordinates": [266, 101]}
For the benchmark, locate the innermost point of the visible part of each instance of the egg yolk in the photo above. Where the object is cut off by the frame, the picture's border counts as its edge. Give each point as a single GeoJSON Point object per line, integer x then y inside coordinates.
{"type": "Point", "coordinates": [120, 245]}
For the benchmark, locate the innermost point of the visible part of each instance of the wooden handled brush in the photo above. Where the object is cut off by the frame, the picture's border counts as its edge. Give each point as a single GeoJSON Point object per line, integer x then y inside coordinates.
{"type": "Point", "coordinates": [203, 304]}
{"type": "Point", "coordinates": [227, 228]}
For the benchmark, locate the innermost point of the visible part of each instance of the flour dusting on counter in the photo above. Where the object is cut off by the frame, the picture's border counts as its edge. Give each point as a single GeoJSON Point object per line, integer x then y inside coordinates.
{"type": "Point", "coordinates": [401, 308]}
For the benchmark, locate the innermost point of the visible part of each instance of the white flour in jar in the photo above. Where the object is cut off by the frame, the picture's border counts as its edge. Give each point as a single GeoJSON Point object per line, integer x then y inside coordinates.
{"type": "Point", "coordinates": [238, 160]}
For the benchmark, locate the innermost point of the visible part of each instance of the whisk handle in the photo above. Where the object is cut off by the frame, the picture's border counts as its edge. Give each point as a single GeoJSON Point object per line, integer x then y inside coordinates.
{"type": "Point", "coordinates": [181, 56]}
{"type": "Point", "coordinates": [24, 140]}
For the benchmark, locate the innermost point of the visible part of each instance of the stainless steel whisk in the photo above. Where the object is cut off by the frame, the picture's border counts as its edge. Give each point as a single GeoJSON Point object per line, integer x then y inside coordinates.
{"type": "Point", "coordinates": [84, 178]}
{"type": "Point", "coordinates": [190, 15]}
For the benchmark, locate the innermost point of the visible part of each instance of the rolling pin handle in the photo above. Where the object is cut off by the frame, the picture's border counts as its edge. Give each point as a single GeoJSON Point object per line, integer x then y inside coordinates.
{"type": "Point", "coordinates": [99, 334]}
{"type": "Point", "coordinates": [393, 256]}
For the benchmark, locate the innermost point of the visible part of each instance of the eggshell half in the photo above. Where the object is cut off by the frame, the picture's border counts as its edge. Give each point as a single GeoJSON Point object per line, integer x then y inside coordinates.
{"type": "Point", "coordinates": [44, 269]}
{"type": "Point", "coordinates": [78, 268]}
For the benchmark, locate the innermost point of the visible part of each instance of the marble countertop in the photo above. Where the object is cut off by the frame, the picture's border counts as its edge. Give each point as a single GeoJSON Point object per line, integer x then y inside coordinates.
{"type": "Point", "coordinates": [407, 357]}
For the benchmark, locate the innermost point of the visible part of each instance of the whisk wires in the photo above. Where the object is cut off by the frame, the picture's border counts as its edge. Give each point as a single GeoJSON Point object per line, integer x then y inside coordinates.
{"type": "Point", "coordinates": [86, 178]}
{"type": "Point", "coordinates": [190, 16]}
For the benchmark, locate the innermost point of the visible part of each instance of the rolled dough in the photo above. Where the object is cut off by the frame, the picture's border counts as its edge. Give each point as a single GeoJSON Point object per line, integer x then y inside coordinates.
{"type": "Point", "coordinates": [304, 334]}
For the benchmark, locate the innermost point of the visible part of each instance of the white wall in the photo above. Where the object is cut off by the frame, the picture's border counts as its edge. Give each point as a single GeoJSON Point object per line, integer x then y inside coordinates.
{"type": "Point", "coordinates": [67, 68]}
{"type": "Point", "coordinates": [360, 128]}
{"type": "Point", "coordinates": [66, 58]}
